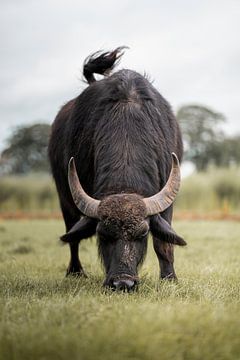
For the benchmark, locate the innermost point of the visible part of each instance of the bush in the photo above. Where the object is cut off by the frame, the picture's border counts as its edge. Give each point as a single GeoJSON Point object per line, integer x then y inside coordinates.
{"type": "Point", "coordinates": [27, 193]}
{"type": "Point", "coordinates": [215, 190]}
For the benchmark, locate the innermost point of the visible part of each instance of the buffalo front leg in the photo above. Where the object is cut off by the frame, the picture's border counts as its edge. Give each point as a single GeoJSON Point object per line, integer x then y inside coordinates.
{"type": "Point", "coordinates": [75, 267]}
{"type": "Point", "coordinates": [165, 254]}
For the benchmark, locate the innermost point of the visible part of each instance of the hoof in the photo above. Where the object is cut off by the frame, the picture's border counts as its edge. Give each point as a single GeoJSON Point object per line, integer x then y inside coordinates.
{"type": "Point", "coordinates": [169, 277]}
{"type": "Point", "coordinates": [73, 272]}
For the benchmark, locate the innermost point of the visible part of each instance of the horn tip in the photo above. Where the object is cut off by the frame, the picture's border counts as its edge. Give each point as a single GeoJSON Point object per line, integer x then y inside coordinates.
{"type": "Point", "coordinates": [175, 159]}
{"type": "Point", "coordinates": [71, 163]}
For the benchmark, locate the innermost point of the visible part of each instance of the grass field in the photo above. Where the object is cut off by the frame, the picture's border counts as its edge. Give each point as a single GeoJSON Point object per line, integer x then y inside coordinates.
{"type": "Point", "coordinates": [44, 315]}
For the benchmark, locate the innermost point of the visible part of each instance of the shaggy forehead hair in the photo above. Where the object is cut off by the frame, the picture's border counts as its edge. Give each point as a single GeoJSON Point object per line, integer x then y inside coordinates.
{"type": "Point", "coordinates": [122, 210]}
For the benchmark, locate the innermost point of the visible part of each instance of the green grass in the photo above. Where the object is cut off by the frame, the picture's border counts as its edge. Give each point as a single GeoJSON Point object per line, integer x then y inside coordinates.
{"type": "Point", "coordinates": [44, 315]}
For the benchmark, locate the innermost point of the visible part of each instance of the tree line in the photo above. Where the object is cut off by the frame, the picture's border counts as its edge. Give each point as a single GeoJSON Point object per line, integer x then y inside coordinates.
{"type": "Point", "coordinates": [204, 141]}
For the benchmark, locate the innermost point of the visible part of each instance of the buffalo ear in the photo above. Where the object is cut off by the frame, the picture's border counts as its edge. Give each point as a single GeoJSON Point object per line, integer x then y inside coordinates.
{"type": "Point", "coordinates": [83, 229]}
{"type": "Point", "coordinates": [161, 229]}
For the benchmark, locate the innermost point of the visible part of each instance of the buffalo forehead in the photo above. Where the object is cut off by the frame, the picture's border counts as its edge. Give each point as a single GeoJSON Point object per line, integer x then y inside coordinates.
{"type": "Point", "coordinates": [123, 209]}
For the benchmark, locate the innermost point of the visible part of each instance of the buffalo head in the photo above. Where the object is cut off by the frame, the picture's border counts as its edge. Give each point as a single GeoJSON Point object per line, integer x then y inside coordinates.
{"type": "Point", "coordinates": [122, 223]}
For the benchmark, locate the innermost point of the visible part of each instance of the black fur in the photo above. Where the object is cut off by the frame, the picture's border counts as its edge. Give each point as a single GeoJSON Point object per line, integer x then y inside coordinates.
{"type": "Point", "coordinates": [101, 63]}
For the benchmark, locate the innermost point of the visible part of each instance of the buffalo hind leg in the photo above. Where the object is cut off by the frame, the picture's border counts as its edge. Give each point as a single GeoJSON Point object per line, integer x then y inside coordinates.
{"type": "Point", "coordinates": [165, 254]}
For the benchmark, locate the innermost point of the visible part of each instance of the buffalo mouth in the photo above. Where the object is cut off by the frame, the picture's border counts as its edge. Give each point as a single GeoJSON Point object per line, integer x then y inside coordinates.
{"type": "Point", "coordinates": [122, 282]}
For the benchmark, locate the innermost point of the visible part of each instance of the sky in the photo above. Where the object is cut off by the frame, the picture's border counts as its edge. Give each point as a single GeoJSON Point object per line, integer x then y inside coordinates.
{"type": "Point", "coordinates": [190, 49]}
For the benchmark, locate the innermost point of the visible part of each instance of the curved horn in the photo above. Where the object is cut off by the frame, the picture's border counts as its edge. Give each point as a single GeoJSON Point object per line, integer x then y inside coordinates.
{"type": "Point", "coordinates": [87, 205]}
{"type": "Point", "coordinates": [164, 198]}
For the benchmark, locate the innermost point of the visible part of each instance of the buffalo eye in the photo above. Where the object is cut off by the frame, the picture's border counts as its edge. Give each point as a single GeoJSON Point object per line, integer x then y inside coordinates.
{"type": "Point", "coordinates": [142, 230]}
{"type": "Point", "coordinates": [104, 232]}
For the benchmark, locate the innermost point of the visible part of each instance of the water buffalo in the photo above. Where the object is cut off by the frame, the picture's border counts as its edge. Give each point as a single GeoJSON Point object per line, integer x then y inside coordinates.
{"type": "Point", "coordinates": [114, 153]}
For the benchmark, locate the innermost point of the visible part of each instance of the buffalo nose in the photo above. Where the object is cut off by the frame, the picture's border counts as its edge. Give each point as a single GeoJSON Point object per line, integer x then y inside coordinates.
{"type": "Point", "coordinates": [124, 285]}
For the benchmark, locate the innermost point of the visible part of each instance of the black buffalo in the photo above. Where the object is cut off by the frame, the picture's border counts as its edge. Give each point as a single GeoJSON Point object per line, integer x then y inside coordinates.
{"type": "Point", "coordinates": [114, 154]}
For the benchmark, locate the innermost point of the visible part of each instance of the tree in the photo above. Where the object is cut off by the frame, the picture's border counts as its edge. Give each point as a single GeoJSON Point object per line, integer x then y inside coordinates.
{"type": "Point", "coordinates": [225, 152]}
{"type": "Point", "coordinates": [26, 150]}
{"type": "Point", "coordinates": [200, 128]}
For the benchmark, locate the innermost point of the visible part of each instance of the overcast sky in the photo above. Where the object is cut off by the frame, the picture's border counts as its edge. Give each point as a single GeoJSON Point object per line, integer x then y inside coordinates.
{"type": "Point", "coordinates": [189, 48]}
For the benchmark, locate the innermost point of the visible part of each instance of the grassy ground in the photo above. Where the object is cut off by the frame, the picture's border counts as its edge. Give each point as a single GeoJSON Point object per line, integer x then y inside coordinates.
{"type": "Point", "coordinates": [46, 316]}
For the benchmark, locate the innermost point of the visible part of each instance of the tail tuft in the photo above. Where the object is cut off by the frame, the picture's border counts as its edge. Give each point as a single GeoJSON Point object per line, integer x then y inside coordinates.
{"type": "Point", "coordinates": [101, 63]}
